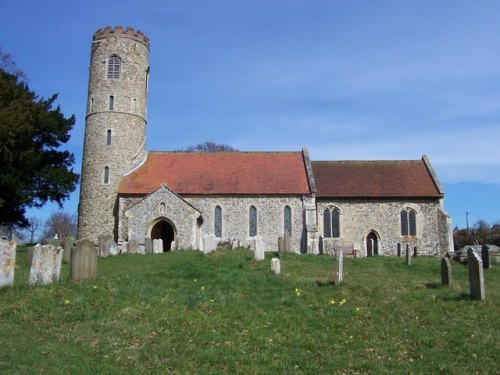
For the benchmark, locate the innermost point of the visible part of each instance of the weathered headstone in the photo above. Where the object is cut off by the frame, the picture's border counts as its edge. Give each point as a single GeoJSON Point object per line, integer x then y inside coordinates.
{"type": "Point", "coordinates": [209, 243]}
{"type": "Point", "coordinates": [398, 250]}
{"type": "Point", "coordinates": [415, 252]}
{"type": "Point", "coordinates": [124, 247]}
{"type": "Point", "coordinates": [172, 246]}
{"type": "Point", "coordinates": [281, 245]}
{"type": "Point", "coordinates": [30, 255]}
{"type": "Point", "coordinates": [101, 240]}
{"type": "Point", "coordinates": [148, 245]}
{"type": "Point", "coordinates": [485, 256]}
{"type": "Point", "coordinates": [134, 248]}
{"type": "Point", "coordinates": [46, 264]}
{"type": "Point", "coordinates": [7, 262]}
{"type": "Point", "coordinates": [111, 247]}
{"type": "Point", "coordinates": [445, 271]}
{"type": "Point", "coordinates": [288, 246]}
{"type": "Point", "coordinates": [275, 266]}
{"type": "Point", "coordinates": [314, 244]}
{"type": "Point", "coordinates": [235, 244]}
{"type": "Point", "coordinates": [476, 277]}
{"type": "Point", "coordinates": [83, 264]}
{"type": "Point", "coordinates": [339, 266]}
{"type": "Point", "coordinates": [157, 246]}
{"type": "Point", "coordinates": [259, 248]}
{"type": "Point", "coordinates": [408, 255]}
{"type": "Point", "coordinates": [69, 244]}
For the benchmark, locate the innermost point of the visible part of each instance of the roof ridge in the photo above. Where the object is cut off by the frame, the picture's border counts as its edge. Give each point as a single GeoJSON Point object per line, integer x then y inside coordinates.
{"type": "Point", "coordinates": [369, 161]}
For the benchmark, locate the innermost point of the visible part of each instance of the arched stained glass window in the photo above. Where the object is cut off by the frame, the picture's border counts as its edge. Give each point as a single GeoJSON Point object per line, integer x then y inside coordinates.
{"type": "Point", "coordinates": [114, 67]}
{"type": "Point", "coordinates": [331, 222]}
{"type": "Point", "coordinates": [408, 222]}
{"type": "Point", "coordinates": [252, 221]}
{"type": "Point", "coordinates": [327, 228]}
{"type": "Point", "coordinates": [287, 217]}
{"type": "Point", "coordinates": [218, 221]}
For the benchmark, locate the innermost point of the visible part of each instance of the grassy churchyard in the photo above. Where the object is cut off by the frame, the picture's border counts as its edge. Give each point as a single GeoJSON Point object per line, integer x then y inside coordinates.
{"type": "Point", "coordinates": [186, 313]}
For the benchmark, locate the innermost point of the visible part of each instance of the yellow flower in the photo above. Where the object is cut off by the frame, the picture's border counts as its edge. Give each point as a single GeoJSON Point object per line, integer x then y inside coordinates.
{"type": "Point", "coordinates": [357, 308]}
{"type": "Point", "coordinates": [341, 302]}
{"type": "Point", "coordinates": [67, 301]}
{"type": "Point", "coordinates": [212, 300]}
{"type": "Point", "coordinates": [332, 302]}
{"type": "Point", "coordinates": [194, 280]}
{"type": "Point", "coordinates": [202, 288]}
{"type": "Point", "coordinates": [297, 290]}
{"type": "Point", "coordinates": [95, 286]}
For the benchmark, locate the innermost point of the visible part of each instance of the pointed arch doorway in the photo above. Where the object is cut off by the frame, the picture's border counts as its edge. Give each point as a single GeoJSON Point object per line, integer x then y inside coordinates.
{"type": "Point", "coordinates": [164, 230]}
{"type": "Point", "coordinates": [371, 244]}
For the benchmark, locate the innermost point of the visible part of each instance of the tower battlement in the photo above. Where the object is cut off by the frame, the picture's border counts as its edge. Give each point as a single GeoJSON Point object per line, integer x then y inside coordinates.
{"type": "Point", "coordinates": [120, 32]}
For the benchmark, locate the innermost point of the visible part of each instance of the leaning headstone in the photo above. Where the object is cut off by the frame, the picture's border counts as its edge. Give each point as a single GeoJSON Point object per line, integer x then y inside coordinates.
{"type": "Point", "coordinates": [281, 245]}
{"type": "Point", "coordinates": [445, 271]}
{"type": "Point", "coordinates": [485, 256]}
{"type": "Point", "coordinates": [259, 248]}
{"type": "Point", "coordinates": [148, 245]}
{"type": "Point", "coordinates": [69, 244]}
{"type": "Point", "coordinates": [7, 262]}
{"type": "Point", "coordinates": [288, 246]}
{"type": "Point", "coordinates": [275, 266]}
{"type": "Point", "coordinates": [339, 266]}
{"type": "Point", "coordinates": [111, 247]}
{"type": "Point", "coordinates": [476, 277]}
{"type": "Point", "coordinates": [83, 264]}
{"type": "Point", "coordinates": [46, 264]}
{"type": "Point", "coordinates": [101, 240]}
{"type": "Point", "coordinates": [408, 255]}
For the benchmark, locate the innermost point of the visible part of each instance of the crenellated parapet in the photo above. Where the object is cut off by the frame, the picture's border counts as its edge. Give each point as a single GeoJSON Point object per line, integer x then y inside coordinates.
{"type": "Point", "coordinates": [120, 32]}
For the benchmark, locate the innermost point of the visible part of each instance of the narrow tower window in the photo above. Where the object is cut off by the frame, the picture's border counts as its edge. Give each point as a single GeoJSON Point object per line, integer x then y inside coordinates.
{"type": "Point", "coordinates": [106, 175]}
{"type": "Point", "coordinates": [111, 102]}
{"type": "Point", "coordinates": [108, 137]}
{"type": "Point", "coordinates": [91, 106]}
{"type": "Point", "coordinates": [218, 221]}
{"type": "Point", "coordinates": [253, 221]}
{"type": "Point", "coordinates": [114, 65]}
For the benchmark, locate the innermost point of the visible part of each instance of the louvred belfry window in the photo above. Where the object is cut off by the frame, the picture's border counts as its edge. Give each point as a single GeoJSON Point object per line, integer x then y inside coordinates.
{"type": "Point", "coordinates": [114, 67]}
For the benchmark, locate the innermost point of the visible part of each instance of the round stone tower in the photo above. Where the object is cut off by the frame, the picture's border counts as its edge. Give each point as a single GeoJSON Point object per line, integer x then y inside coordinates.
{"type": "Point", "coordinates": [115, 125]}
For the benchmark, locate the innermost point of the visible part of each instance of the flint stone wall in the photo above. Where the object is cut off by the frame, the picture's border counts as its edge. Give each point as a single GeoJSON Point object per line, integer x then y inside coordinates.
{"type": "Point", "coordinates": [358, 217]}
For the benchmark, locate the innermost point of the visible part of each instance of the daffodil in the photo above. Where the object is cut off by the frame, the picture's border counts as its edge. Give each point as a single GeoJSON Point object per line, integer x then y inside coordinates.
{"type": "Point", "coordinates": [67, 301]}
{"type": "Point", "coordinates": [332, 302]}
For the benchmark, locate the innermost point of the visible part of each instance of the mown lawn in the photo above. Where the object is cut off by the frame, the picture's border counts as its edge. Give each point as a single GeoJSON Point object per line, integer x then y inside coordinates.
{"type": "Point", "coordinates": [186, 313]}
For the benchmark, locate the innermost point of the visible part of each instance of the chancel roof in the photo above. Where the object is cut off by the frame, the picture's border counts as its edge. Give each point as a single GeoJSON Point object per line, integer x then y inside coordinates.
{"type": "Point", "coordinates": [216, 173]}
{"type": "Point", "coordinates": [375, 179]}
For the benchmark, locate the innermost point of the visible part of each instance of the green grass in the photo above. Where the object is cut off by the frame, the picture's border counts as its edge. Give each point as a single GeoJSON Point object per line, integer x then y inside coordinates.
{"type": "Point", "coordinates": [186, 313]}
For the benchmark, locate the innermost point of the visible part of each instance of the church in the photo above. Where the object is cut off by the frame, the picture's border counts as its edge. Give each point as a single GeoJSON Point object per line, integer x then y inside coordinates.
{"type": "Point", "coordinates": [364, 208]}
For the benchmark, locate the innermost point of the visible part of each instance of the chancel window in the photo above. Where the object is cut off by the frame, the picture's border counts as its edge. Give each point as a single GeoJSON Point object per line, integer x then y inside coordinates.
{"type": "Point", "coordinates": [331, 222]}
{"type": "Point", "coordinates": [408, 222]}
{"type": "Point", "coordinates": [287, 218]}
{"type": "Point", "coordinates": [253, 221]}
{"type": "Point", "coordinates": [218, 221]}
{"type": "Point", "coordinates": [114, 67]}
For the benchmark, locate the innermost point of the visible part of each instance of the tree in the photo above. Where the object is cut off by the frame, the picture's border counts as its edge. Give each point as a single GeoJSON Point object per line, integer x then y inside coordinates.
{"type": "Point", "coordinates": [34, 224]}
{"type": "Point", "coordinates": [209, 146]}
{"type": "Point", "coordinates": [33, 170]}
{"type": "Point", "coordinates": [60, 223]}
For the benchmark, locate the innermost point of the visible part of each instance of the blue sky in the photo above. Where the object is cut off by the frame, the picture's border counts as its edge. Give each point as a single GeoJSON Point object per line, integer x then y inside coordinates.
{"type": "Point", "coordinates": [347, 79]}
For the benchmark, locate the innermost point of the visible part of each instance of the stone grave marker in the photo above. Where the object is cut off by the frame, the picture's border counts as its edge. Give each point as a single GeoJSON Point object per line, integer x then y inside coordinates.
{"type": "Point", "coordinates": [415, 252]}
{"type": "Point", "coordinates": [339, 266]}
{"type": "Point", "coordinates": [173, 246]}
{"type": "Point", "coordinates": [7, 262]}
{"type": "Point", "coordinates": [408, 255]}
{"type": "Point", "coordinates": [275, 266]}
{"type": "Point", "coordinates": [485, 256]}
{"type": "Point", "coordinates": [445, 271]}
{"type": "Point", "coordinates": [111, 247]}
{"type": "Point", "coordinates": [209, 243]}
{"type": "Point", "coordinates": [259, 248]}
{"type": "Point", "coordinates": [135, 248]}
{"type": "Point", "coordinates": [235, 244]}
{"type": "Point", "coordinates": [101, 240]}
{"type": "Point", "coordinates": [148, 245]}
{"type": "Point", "coordinates": [46, 264]}
{"type": "Point", "coordinates": [281, 245]}
{"type": "Point", "coordinates": [288, 246]}
{"type": "Point", "coordinates": [476, 277]}
{"type": "Point", "coordinates": [69, 244]}
{"type": "Point", "coordinates": [157, 246]}
{"type": "Point", "coordinates": [30, 255]}
{"type": "Point", "coordinates": [83, 264]}
{"type": "Point", "coordinates": [124, 247]}
{"type": "Point", "coordinates": [398, 250]}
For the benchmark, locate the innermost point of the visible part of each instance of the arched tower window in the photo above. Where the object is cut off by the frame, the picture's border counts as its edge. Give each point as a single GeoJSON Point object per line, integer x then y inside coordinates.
{"type": "Point", "coordinates": [252, 222]}
{"type": "Point", "coordinates": [331, 223]}
{"type": "Point", "coordinates": [218, 221]}
{"type": "Point", "coordinates": [111, 102]}
{"type": "Point", "coordinates": [114, 67]}
{"type": "Point", "coordinates": [108, 137]}
{"type": "Point", "coordinates": [287, 220]}
{"type": "Point", "coordinates": [106, 175]}
{"type": "Point", "coordinates": [408, 222]}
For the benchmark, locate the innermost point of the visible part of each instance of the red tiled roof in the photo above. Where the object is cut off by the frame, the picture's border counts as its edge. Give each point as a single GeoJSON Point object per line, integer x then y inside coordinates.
{"type": "Point", "coordinates": [382, 179]}
{"type": "Point", "coordinates": [219, 173]}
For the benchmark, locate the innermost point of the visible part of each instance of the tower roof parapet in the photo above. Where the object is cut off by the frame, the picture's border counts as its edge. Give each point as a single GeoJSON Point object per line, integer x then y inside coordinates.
{"type": "Point", "coordinates": [120, 32]}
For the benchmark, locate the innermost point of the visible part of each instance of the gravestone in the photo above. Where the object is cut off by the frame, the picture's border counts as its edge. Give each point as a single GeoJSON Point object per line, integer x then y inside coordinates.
{"type": "Point", "coordinates": [101, 240]}
{"type": "Point", "coordinates": [476, 277]}
{"type": "Point", "coordinates": [339, 266]}
{"type": "Point", "coordinates": [415, 252]}
{"type": "Point", "coordinates": [259, 248]}
{"type": "Point", "coordinates": [148, 245]}
{"type": "Point", "coordinates": [157, 246]}
{"type": "Point", "coordinates": [398, 250]}
{"type": "Point", "coordinates": [314, 244]}
{"type": "Point", "coordinates": [135, 248]}
{"type": "Point", "coordinates": [275, 266]}
{"type": "Point", "coordinates": [83, 264]}
{"type": "Point", "coordinates": [445, 271]}
{"type": "Point", "coordinates": [235, 244]}
{"type": "Point", "coordinates": [69, 244]}
{"type": "Point", "coordinates": [209, 243]}
{"type": "Point", "coordinates": [408, 255]}
{"type": "Point", "coordinates": [288, 246]}
{"type": "Point", "coordinates": [485, 256]}
{"type": "Point", "coordinates": [7, 262]}
{"type": "Point", "coordinates": [281, 245]}
{"type": "Point", "coordinates": [124, 247]}
{"type": "Point", "coordinates": [111, 247]}
{"type": "Point", "coordinates": [30, 255]}
{"type": "Point", "coordinates": [173, 246]}
{"type": "Point", "coordinates": [46, 264]}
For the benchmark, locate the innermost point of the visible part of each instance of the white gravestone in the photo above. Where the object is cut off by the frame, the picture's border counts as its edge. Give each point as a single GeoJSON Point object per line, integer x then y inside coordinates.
{"type": "Point", "coordinates": [275, 266]}
{"type": "Point", "coordinates": [259, 248]}
{"type": "Point", "coordinates": [339, 266]}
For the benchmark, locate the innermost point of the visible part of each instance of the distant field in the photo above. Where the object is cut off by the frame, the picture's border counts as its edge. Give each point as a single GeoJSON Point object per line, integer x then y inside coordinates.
{"type": "Point", "coordinates": [186, 313]}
